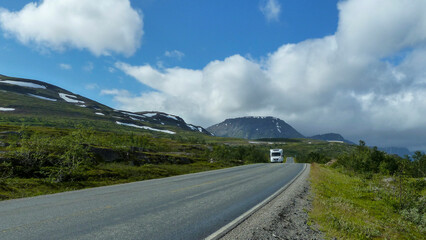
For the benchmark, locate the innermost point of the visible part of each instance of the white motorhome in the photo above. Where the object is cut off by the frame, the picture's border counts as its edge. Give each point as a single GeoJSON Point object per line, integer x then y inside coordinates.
{"type": "Point", "coordinates": [276, 155]}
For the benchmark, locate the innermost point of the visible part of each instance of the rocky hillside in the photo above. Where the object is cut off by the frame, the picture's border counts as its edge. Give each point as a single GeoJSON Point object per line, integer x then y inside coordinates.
{"type": "Point", "coordinates": [331, 137]}
{"type": "Point", "coordinates": [254, 128]}
{"type": "Point", "coordinates": [40, 103]}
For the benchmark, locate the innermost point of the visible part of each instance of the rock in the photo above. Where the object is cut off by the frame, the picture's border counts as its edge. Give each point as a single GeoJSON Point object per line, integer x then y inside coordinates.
{"type": "Point", "coordinates": [106, 155]}
{"type": "Point", "coordinates": [331, 162]}
{"type": "Point", "coordinates": [388, 180]}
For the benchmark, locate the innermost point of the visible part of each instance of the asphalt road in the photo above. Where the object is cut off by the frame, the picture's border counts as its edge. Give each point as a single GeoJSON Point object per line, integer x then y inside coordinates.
{"type": "Point", "coordinates": [183, 207]}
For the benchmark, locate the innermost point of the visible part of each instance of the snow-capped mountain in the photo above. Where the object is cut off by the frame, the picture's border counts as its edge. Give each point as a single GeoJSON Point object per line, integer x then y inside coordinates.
{"type": "Point", "coordinates": [254, 128]}
{"type": "Point", "coordinates": [43, 102]}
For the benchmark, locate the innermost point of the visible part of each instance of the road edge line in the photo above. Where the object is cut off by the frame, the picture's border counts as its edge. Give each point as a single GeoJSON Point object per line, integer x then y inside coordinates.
{"type": "Point", "coordinates": [228, 227]}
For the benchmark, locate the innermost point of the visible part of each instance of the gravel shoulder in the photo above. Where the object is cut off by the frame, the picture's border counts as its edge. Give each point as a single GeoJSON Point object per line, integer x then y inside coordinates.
{"type": "Point", "coordinates": [285, 217]}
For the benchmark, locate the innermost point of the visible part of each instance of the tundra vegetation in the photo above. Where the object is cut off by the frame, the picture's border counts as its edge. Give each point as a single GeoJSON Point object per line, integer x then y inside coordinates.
{"type": "Point", "coordinates": [37, 159]}
{"type": "Point", "coordinates": [368, 194]}
{"type": "Point", "coordinates": [40, 160]}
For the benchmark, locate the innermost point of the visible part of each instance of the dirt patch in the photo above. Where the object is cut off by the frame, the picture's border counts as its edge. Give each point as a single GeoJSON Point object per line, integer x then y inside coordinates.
{"type": "Point", "coordinates": [285, 217]}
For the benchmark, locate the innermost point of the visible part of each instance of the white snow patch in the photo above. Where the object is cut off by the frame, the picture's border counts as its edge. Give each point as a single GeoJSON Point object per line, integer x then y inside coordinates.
{"type": "Point", "coordinates": [136, 119]}
{"type": "Point", "coordinates": [70, 98]}
{"type": "Point", "coordinates": [144, 127]}
{"type": "Point", "coordinates": [132, 114]}
{"type": "Point", "coordinates": [192, 127]}
{"type": "Point", "coordinates": [6, 109]}
{"type": "Point", "coordinates": [82, 105]}
{"type": "Point", "coordinates": [278, 127]}
{"type": "Point", "coordinates": [23, 84]}
{"type": "Point", "coordinates": [172, 117]}
{"type": "Point", "coordinates": [150, 114]}
{"type": "Point", "coordinates": [100, 114]}
{"type": "Point", "coordinates": [200, 129]}
{"type": "Point", "coordinates": [41, 97]}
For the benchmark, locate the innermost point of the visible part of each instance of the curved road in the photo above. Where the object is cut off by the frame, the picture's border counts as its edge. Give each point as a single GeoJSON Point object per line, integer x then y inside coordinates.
{"type": "Point", "coordinates": [190, 206]}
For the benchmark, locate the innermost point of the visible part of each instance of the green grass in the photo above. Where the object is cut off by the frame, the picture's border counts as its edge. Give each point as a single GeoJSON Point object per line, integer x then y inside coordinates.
{"type": "Point", "coordinates": [36, 158]}
{"type": "Point", "coordinates": [352, 207]}
{"type": "Point", "coordinates": [102, 175]}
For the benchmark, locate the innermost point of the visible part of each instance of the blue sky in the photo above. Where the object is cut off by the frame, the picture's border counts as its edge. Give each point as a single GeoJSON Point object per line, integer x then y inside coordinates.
{"type": "Point", "coordinates": [201, 30]}
{"type": "Point", "coordinates": [355, 67]}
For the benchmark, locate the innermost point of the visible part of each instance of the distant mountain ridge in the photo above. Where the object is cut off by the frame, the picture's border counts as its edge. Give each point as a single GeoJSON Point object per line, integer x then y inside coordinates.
{"type": "Point", "coordinates": [40, 100]}
{"type": "Point", "coordinates": [400, 151]}
{"type": "Point", "coordinates": [331, 137]}
{"type": "Point", "coordinates": [254, 128]}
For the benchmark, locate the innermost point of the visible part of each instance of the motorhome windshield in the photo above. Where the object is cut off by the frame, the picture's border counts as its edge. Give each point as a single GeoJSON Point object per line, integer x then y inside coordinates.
{"type": "Point", "coordinates": [276, 154]}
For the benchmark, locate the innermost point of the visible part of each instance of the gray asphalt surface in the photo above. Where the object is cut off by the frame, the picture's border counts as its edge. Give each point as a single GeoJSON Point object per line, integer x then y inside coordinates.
{"type": "Point", "coordinates": [289, 160]}
{"type": "Point", "coordinates": [183, 207]}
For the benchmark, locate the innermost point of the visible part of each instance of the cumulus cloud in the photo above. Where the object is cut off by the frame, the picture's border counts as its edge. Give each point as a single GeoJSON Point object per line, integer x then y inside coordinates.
{"type": "Point", "coordinates": [102, 27]}
{"type": "Point", "coordinates": [65, 66]}
{"type": "Point", "coordinates": [174, 54]}
{"type": "Point", "coordinates": [271, 9]}
{"type": "Point", "coordinates": [367, 81]}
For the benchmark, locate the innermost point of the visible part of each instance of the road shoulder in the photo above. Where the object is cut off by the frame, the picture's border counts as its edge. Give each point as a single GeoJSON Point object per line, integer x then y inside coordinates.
{"type": "Point", "coordinates": [285, 217]}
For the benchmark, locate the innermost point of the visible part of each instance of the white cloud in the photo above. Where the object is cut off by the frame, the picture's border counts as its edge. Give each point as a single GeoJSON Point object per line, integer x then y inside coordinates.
{"type": "Point", "coordinates": [174, 54]}
{"type": "Point", "coordinates": [340, 83]}
{"type": "Point", "coordinates": [111, 69]}
{"type": "Point", "coordinates": [271, 9]}
{"type": "Point", "coordinates": [122, 93]}
{"type": "Point", "coordinates": [65, 66]}
{"type": "Point", "coordinates": [102, 27]}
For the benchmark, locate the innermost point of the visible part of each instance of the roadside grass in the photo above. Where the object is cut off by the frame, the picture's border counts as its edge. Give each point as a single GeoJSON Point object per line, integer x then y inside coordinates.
{"type": "Point", "coordinates": [353, 207]}
{"type": "Point", "coordinates": [103, 175]}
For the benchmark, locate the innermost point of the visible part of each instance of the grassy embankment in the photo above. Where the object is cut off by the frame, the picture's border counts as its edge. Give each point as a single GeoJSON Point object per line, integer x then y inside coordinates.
{"type": "Point", "coordinates": [348, 205]}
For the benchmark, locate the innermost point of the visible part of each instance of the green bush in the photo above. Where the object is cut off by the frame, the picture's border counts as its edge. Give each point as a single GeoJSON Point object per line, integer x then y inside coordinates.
{"type": "Point", "coordinates": [243, 154]}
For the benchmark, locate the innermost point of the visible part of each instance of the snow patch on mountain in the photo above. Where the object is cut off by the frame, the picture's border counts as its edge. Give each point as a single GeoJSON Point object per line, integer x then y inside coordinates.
{"type": "Point", "coordinates": [172, 117]}
{"type": "Point", "coordinates": [133, 114]}
{"type": "Point", "coordinates": [149, 114]}
{"type": "Point", "coordinates": [23, 84]}
{"type": "Point", "coordinates": [6, 109]}
{"type": "Point", "coordinates": [145, 127]}
{"type": "Point", "coordinates": [192, 127]}
{"type": "Point", "coordinates": [41, 97]}
{"type": "Point", "coordinates": [136, 119]}
{"type": "Point", "coordinates": [70, 98]}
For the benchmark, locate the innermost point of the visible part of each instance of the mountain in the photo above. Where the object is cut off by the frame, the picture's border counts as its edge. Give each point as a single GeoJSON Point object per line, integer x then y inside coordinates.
{"type": "Point", "coordinates": [170, 120]}
{"type": "Point", "coordinates": [39, 103]}
{"type": "Point", "coordinates": [400, 151]}
{"type": "Point", "coordinates": [254, 128]}
{"type": "Point", "coordinates": [331, 137]}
